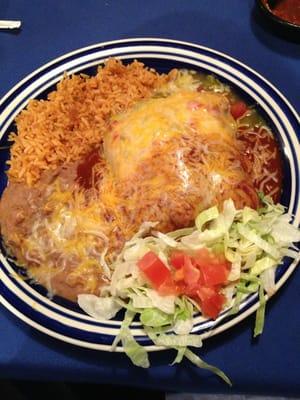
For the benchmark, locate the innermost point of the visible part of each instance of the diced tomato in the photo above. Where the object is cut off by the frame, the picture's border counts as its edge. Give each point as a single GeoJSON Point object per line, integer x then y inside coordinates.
{"type": "Point", "coordinates": [177, 259]}
{"type": "Point", "coordinates": [204, 256]}
{"type": "Point", "coordinates": [191, 290]}
{"type": "Point", "coordinates": [191, 273]}
{"type": "Point", "coordinates": [238, 109]}
{"type": "Point", "coordinates": [168, 288]}
{"type": "Point", "coordinates": [214, 274]}
{"type": "Point", "coordinates": [200, 277]}
{"type": "Point", "coordinates": [181, 288]}
{"type": "Point", "coordinates": [211, 302]}
{"type": "Point", "coordinates": [212, 307]}
{"type": "Point", "coordinates": [205, 293]}
{"type": "Point", "coordinates": [178, 275]}
{"type": "Point", "coordinates": [154, 269]}
{"type": "Point", "coordinates": [214, 268]}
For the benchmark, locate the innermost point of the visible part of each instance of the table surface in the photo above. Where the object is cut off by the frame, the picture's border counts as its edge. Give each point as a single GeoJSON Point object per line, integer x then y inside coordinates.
{"type": "Point", "coordinates": [269, 365]}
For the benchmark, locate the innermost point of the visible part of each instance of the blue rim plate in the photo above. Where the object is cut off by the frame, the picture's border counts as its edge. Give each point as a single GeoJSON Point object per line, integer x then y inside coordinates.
{"type": "Point", "coordinates": [64, 320]}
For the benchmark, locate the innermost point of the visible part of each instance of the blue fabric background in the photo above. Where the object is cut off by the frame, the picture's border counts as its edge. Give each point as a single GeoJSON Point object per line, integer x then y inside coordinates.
{"type": "Point", "coordinates": [269, 365]}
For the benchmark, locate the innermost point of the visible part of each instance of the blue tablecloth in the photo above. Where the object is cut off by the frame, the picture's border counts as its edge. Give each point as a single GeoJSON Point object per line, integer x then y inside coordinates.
{"type": "Point", "coordinates": [51, 28]}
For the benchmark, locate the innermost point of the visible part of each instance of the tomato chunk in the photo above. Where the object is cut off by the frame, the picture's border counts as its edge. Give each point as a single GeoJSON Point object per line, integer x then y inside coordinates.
{"type": "Point", "coordinates": [200, 276]}
{"type": "Point", "coordinates": [205, 293]}
{"type": "Point", "coordinates": [212, 307]}
{"type": "Point", "coordinates": [204, 256]}
{"type": "Point", "coordinates": [214, 274]}
{"type": "Point", "coordinates": [177, 259]}
{"type": "Point", "coordinates": [168, 288]}
{"type": "Point", "coordinates": [191, 273]}
{"type": "Point", "coordinates": [214, 269]}
{"type": "Point", "coordinates": [211, 302]}
{"type": "Point", "coordinates": [238, 109]}
{"type": "Point", "coordinates": [179, 275]}
{"type": "Point", "coordinates": [154, 269]}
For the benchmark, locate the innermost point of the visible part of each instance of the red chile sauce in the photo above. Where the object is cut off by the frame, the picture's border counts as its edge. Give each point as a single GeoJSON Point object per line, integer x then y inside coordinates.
{"type": "Point", "coordinates": [273, 165]}
{"type": "Point", "coordinates": [288, 10]}
{"type": "Point", "coordinates": [85, 169]}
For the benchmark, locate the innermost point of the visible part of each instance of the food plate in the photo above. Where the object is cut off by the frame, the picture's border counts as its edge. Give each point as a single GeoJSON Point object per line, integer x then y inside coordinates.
{"type": "Point", "coordinates": [64, 320]}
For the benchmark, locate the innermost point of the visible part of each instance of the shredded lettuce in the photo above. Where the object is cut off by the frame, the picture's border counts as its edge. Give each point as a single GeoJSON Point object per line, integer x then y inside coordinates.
{"type": "Point", "coordinates": [225, 219]}
{"type": "Point", "coordinates": [253, 241]}
{"type": "Point", "coordinates": [260, 314]}
{"type": "Point", "coordinates": [205, 216]}
{"type": "Point", "coordinates": [98, 307]}
{"type": "Point", "coordinates": [137, 353]}
{"type": "Point", "coordinates": [181, 232]}
{"type": "Point", "coordinates": [155, 318]}
{"type": "Point", "coordinates": [136, 251]}
{"type": "Point", "coordinates": [167, 239]}
{"type": "Point", "coordinates": [262, 265]}
{"type": "Point", "coordinates": [181, 345]}
{"type": "Point", "coordinates": [196, 360]}
{"type": "Point", "coordinates": [173, 340]}
{"type": "Point", "coordinates": [247, 289]}
{"type": "Point", "coordinates": [128, 318]}
{"type": "Point", "coordinates": [235, 271]}
{"type": "Point", "coordinates": [268, 280]}
{"type": "Point", "coordinates": [252, 236]}
{"type": "Point", "coordinates": [180, 355]}
{"type": "Point", "coordinates": [183, 326]}
{"type": "Point", "coordinates": [237, 302]}
{"type": "Point", "coordinates": [149, 298]}
{"type": "Point", "coordinates": [283, 232]}
{"type": "Point", "coordinates": [163, 303]}
{"type": "Point", "coordinates": [140, 301]}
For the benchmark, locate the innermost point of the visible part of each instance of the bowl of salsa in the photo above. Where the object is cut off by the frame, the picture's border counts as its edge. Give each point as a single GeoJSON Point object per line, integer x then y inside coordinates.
{"type": "Point", "coordinates": [283, 16]}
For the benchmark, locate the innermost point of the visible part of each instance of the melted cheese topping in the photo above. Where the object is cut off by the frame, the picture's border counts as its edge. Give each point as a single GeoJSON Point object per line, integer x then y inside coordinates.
{"type": "Point", "coordinates": [135, 133]}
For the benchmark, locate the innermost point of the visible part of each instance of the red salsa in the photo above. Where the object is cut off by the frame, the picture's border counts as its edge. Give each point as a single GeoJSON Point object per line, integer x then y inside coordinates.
{"type": "Point", "coordinates": [85, 169]}
{"type": "Point", "coordinates": [289, 10]}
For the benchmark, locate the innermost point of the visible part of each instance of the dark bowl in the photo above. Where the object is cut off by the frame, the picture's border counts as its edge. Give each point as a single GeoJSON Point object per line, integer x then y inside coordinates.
{"type": "Point", "coordinates": [279, 26]}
